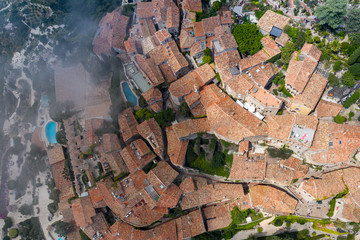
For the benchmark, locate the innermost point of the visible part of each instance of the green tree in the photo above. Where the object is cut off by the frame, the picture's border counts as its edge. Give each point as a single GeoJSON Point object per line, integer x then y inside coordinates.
{"type": "Point", "coordinates": [353, 20]}
{"type": "Point", "coordinates": [165, 117]}
{"type": "Point", "coordinates": [348, 79]}
{"type": "Point", "coordinates": [351, 114]}
{"type": "Point", "coordinates": [8, 222]}
{"type": "Point", "coordinates": [354, 57]}
{"type": "Point", "coordinates": [287, 51]}
{"type": "Point", "coordinates": [6, 238]}
{"type": "Point", "coordinates": [25, 209]}
{"type": "Point", "coordinates": [53, 207]}
{"type": "Point", "coordinates": [184, 110]}
{"type": "Point", "coordinates": [299, 39]}
{"type": "Point", "coordinates": [339, 119]}
{"type": "Point", "coordinates": [127, 10]}
{"type": "Point", "coordinates": [13, 233]}
{"type": "Point", "coordinates": [332, 13]}
{"type": "Point", "coordinates": [333, 80]}
{"type": "Point", "coordinates": [355, 70]}
{"type": "Point", "coordinates": [216, 6]}
{"type": "Point", "coordinates": [206, 59]}
{"type": "Point", "coordinates": [337, 66]}
{"type": "Point", "coordinates": [63, 228]}
{"type": "Point", "coordinates": [54, 195]}
{"type": "Point", "coordinates": [207, 52]}
{"type": "Point", "coordinates": [248, 38]}
{"type": "Point", "coordinates": [61, 137]}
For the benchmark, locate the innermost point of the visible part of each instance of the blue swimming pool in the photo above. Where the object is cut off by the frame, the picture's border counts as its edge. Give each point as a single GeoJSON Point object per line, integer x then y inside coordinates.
{"type": "Point", "coordinates": [50, 130]}
{"type": "Point", "coordinates": [130, 96]}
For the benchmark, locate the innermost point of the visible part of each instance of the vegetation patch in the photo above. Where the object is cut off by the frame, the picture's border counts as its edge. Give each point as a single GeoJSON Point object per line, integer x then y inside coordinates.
{"type": "Point", "coordinates": [283, 153]}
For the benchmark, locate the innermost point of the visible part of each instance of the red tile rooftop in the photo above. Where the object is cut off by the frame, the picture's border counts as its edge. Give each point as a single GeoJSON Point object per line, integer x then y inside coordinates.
{"type": "Point", "coordinates": [56, 154]}
{"type": "Point", "coordinates": [151, 131]}
{"type": "Point", "coordinates": [271, 19]}
{"type": "Point", "coordinates": [153, 97]}
{"type": "Point", "coordinates": [272, 200]}
{"type": "Point", "coordinates": [162, 35]}
{"type": "Point", "coordinates": [127, 124]}
{"type": "Point", "coordinates": [176, 148]}
{"type": "Point", "coordinates": [327, 109]}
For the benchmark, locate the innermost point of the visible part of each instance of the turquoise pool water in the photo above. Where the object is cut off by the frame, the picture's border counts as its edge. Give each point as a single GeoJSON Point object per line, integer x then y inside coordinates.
{"type": "Point", "coordinates": [130, 96]}
{"type": "Point", "coordinates": [50, 130]}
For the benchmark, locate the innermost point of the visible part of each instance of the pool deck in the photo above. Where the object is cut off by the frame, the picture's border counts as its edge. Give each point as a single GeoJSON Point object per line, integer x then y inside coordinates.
{"type": "Point", "coordinates": [131, 88]}
{"type": "Point", "coordinates": [136, 77]}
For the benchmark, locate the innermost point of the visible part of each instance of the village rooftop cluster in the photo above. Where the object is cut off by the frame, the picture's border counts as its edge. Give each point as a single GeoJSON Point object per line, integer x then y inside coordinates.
{"type": "Point", "coordinates": [231, 98]}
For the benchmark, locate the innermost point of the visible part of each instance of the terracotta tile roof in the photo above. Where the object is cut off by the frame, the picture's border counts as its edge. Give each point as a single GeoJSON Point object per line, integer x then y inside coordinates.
{"type": "Point", "coordinates": [240, 84]}
{"type": "Point", "coordinates": [137, 155]}
{"type": "Point", "coordinates": [222, 30]}
{"type": "Point", "coordinates": [334, 143]}
{"type": "Point", "coordinates": [169, 198]}
{"type": "Point", "coordinates": [352, 180]}
{"type": "Point", "coordinates": [328, 186]}
{"type": "Point", "coordinates": [351, 211]}
{"type": "Point", "coordinates": [147, 27]}
{"type": "Point", "coordinates": [144, 10]}
{"type": "Point", "coordinates": [56, 154]}
{"type": "Point", "coordinates": [167, 72]}
{"type": "Point", "coordinates": [186, 38]}
{"type": "Point", "coordinates": [265, 97]}
{"type": "Point", "coordinates": [176, 148]}
{"type": "Point", "coordinates": [262, 74]}
{"type": "Point", "coordinates": [91, 125]}
{"type": "Point", "coordinates": [271, 19]}
{"type": "Point", "coordinates": [228, 119]}
{"type": "Point", "coordinates": [224, 62]}
{"type": "Point", "coordinates": [228, 41]}
{"type": "Point", "coordinates": [172, 17]}
{"type": "Point", "coordinates": [299, 72]}
{"type": "Point", "coordinates": [254, 60]}
{"type": "Point", "coordinates": [169, 52]}
{"type": "Point", "coordinates": [112, 32]}
{"type": "Point", "coordinates": [244, 147]}
{"type": "Point", "coordinates": [226, 17]}
{"type": "Point", "coordinates": [64, 185]}
{"type": "Point", "coordinates": [190, 225]}
{"type": "Point", "coordinates": [279, 174]}
{"type": "Point", "coordinates": [210, 94]}
{"type": "Point", "coordinates": [153, 97]}
{"type": "Point", "coordinates": [110, 142]}
{"type": "Point", "coordinates": [192, 81]}
{"type": "Point", "coordinates": [272, 200]}
{"type": "Point", "coordinates": [187, 185]}
{"type": "Point", "coordinates": [311, 51]}
{"type": "Point", "coordinates": [149, 69]}
{"type": "Point", "coordinates": [211, 193]}
{"type": "Point", "coordinates": [148, 44]}
{"type": "Point", "coordinates": [281, 126]}
{"type": "Point", "coordinates": [217, 216]}
{"type": "Point", "coordinates": [270, 46]}
{"type": "Point", "coordinates": [97, 199]}
{"type": "Point", "coordinates": [165, 173]}
{"type": "Point", "coordinates": [248, 166]}
{"type": "Point", "coordinates": [209, 24]}
{"type": "Point", "coordinates": [127, 124]}
{"type": "Point", "coordinates": [121, 230]}
{"type": "Point", "coordinates": [151, 131]}
{"type": "Point", "coordinates": [187, 23]}
{"type": "Point", "coordinates": [190, 127]}
{"type": "Point", "coordinates": [283, 39]}
{"type": "Point", "coordinates": [198, 110]}
{"type": "Point", "coordinates": [198, 29]}
{"type": "Point", "coordinates": [197, 48]}
{"type": "Point", "coordinates": [83, 211]}
{"type": "Point", "coordinates": [327, 109]}
{"type": "Point", "coordinates": [296, 164]}
{"type": "Point", "coordinates": [193, 5]}
{"type": "Point", "coordinates": [115, 162]}
{"type": "Point", "coordinates": [162, 35]}
{"type": "Point", "coordinates": [192, 98]}
{"type": "Point", "coordinates": [312, 92]}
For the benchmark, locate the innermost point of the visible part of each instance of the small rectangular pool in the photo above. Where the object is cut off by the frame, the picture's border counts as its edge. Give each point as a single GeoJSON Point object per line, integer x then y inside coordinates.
{"type": "Point", "coordinates": [129, 95]}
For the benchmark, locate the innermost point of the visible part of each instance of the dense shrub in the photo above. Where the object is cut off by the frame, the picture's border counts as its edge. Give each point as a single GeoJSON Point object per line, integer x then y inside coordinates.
{"type": "Point", "coordinates": [283, 153]}
{"type": "Point", "coordinates": [340, 119]}
{"type": "Point", "coordinates": [348, 79]}
{"type": "Point", "coordinates": [248, 38]}
{"type": "Point", "coordinates": [351, 100]}
{"type": "Point", "coordinates": [13, 233]}
{"type": "Point", "coordinates": [354, 57]}
{"type": "Point", "coordinates": [355, 70]}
